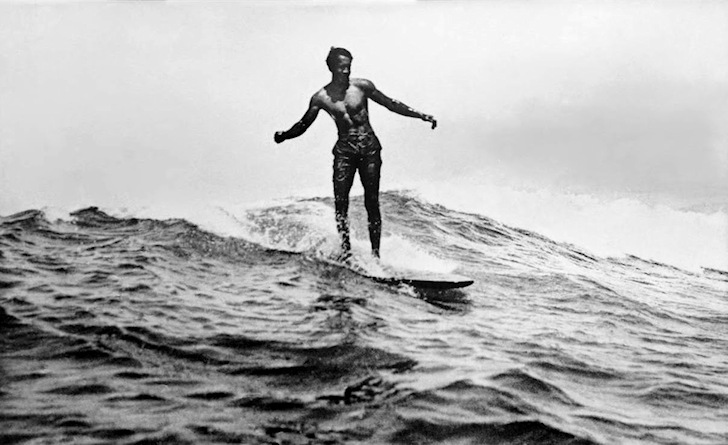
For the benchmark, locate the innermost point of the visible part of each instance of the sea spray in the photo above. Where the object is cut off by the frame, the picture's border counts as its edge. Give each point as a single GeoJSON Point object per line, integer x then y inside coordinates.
{"type": "Point", "coordinates": [608, 226]}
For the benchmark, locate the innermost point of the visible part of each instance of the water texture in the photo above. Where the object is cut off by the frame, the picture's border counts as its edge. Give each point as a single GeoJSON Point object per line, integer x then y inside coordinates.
{"type": "Point", "coordinates": [128, 330]}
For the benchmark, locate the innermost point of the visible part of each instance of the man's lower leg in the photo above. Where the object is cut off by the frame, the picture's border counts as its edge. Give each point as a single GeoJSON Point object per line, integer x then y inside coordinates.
{"type": "Point", "coordinates": [375, 235]}
{"type": "Point", "coordinates": [342, 226]}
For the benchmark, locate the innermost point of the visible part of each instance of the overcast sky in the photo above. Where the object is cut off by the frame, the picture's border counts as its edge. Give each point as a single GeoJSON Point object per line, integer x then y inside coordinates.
{"type": "Point", "coordinates": [132, 102]}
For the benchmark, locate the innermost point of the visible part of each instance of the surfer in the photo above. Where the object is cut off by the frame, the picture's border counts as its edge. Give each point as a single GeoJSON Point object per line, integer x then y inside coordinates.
{"type": "Point", "coordinates": [358, 148]}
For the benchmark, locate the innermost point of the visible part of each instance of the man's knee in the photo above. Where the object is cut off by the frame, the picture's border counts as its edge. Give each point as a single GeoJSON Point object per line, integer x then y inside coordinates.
{"type": "Point", "coordinates": [341, 202]}
{"type": "Point", "coordinates": [371, 202]}
{"type": "Point", "coordinates": [374, 216]}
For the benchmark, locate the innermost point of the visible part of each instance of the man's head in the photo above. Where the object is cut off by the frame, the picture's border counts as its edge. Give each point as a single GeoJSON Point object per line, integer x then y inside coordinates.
{"type": "Point", "coordinates": [337, 57]}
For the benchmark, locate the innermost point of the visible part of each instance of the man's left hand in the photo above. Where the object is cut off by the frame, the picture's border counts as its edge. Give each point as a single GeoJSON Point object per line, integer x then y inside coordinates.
{"type": "Point", "coordinates": [431, 119]}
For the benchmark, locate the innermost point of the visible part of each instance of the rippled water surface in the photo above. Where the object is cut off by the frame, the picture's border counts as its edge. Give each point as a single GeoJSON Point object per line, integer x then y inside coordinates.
{"type": "Point", "coordinates": [147, 331]}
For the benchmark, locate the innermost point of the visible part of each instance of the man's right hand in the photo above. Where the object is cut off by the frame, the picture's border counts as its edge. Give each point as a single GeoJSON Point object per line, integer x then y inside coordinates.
{"type": "Point", "coordinates": [278, 137]}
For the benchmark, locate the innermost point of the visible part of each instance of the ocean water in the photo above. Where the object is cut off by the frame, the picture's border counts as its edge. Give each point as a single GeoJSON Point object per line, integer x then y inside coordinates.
{"type": "Point", "coordinates": [232, 328]}
{"type": "Point", "coordinates": [164, 273]}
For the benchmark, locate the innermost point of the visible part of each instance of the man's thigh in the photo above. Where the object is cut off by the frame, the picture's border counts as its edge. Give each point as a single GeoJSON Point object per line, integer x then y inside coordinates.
{"type": "Point", "coordinates": [370, 169]}
{"type": "Point", "coordinates": [344, 170]}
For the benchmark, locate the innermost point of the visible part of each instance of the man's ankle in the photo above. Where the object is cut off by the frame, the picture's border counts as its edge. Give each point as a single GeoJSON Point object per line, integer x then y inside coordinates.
{"type": "Point", "coordinates": [344, 256]}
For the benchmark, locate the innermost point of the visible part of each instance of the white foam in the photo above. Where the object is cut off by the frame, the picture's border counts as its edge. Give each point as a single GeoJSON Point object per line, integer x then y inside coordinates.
{"type": "Point", "coordinates": [56, 213]}
{"type": "Point", "coordinates": [287, 225]}
{"type": "Point", "coordinates": [606, 226]}
{"type": "Point", "coordinates": [400, 253]}
{"type": "Point", "coordinates": [309, 227]}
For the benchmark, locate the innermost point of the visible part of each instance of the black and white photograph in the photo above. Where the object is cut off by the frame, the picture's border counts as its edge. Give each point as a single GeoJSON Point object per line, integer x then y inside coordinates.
{"type": "Point", "coordinates": [327, 222]}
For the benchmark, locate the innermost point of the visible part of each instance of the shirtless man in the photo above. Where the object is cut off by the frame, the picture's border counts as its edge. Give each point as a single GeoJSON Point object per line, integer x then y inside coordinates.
{"type": "Point", "coordinates": [358, 148]}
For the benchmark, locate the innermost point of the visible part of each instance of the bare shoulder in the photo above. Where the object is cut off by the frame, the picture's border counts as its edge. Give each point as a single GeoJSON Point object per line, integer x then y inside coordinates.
{"type": "Point", "coordinates": [318, 98]}
{"type": "Point", "coordinates": [365, 84]}
{"type": "Point", "coordinates": [319, 95]}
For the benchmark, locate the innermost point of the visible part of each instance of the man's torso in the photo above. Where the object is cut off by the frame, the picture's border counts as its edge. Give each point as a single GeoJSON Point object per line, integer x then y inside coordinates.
{"type": "Point", "coordinates": [348, 108]}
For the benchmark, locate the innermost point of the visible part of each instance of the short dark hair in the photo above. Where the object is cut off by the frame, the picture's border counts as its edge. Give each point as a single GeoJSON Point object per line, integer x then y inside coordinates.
{"type": "Point", "coordinates": [334, 54]}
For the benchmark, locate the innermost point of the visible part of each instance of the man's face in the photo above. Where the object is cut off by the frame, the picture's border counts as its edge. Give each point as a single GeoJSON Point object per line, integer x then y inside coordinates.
{"type": "Point", "coordinates": [342, 67]}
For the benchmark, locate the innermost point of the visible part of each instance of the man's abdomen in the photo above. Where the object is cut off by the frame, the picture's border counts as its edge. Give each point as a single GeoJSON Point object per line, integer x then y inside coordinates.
{"type": "Point", "coordinates": [357, 142]}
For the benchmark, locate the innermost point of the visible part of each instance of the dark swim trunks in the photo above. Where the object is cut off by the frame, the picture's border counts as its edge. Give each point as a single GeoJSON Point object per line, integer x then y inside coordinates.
{"type": "Point", "coordinates": [357, 143]}
{"type": "Point", "coordinates": [357, 151]}
{"type": "Point", "coordinates": [352, 152]}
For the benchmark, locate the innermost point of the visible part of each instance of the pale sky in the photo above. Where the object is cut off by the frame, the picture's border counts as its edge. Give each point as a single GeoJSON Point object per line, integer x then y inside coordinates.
{"type": "Point", "coordinates": [135, 102]}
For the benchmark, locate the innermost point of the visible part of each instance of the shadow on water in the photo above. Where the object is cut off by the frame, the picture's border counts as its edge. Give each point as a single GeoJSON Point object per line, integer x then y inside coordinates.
{"type": "Point", "coordinates": [449, 299]}
{"type": "Point", "coordinates": [358, 288]}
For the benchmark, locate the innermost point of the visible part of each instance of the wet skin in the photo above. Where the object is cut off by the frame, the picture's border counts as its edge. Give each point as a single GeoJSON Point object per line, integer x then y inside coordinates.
{"type": "Point", "coordinates": [346, 101]}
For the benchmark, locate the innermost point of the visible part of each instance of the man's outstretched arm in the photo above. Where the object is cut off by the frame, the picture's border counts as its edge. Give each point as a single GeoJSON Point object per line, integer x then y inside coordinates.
{"type": "Point", "coordinates": [301, 126]}
{"type": "Point", "coordinates": [397, 106]}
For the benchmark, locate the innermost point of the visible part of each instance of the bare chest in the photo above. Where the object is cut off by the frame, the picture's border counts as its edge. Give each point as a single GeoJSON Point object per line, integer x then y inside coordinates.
{"type": "Point", "coordinates": [345, 104]}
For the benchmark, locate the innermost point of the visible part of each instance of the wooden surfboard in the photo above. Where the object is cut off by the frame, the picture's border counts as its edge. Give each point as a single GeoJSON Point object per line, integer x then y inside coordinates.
{"type": "Point", "coordinates": [417, 279]}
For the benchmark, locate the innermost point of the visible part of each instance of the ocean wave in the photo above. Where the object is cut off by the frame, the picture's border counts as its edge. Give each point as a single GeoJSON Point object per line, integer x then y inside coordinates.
{"type": "Point", "coordinates": [605, 225]}
{"type": "Point", "coordinates": [241, 329]}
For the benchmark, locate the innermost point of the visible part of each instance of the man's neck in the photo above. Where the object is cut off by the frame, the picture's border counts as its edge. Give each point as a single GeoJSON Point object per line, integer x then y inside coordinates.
{"type": "Point", "coordinates": [339, 83]}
